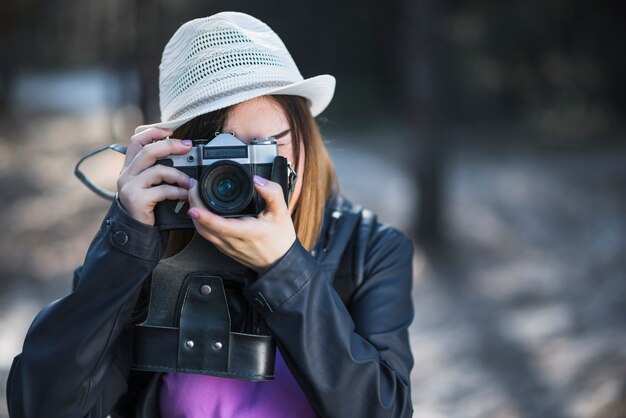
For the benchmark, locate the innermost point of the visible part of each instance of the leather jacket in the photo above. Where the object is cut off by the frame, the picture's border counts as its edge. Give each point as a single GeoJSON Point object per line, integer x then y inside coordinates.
{"type": "Point", "coordinates": [351, 358]}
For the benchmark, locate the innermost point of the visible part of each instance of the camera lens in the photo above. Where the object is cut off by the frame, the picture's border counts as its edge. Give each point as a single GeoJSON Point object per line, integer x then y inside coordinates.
{"type": "Point", "coordinates": [226, 188]}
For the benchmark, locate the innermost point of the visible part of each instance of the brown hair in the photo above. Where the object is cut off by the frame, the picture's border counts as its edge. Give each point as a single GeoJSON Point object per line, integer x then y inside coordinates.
{"type": "Point", "coordinates": [318, 176]}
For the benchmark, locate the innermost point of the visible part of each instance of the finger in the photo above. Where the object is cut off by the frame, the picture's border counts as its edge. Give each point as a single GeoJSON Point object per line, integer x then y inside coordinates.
{"type": "Point", "coordinates": [224, 246]}
{"type": "Point", "coordinates": [209, 236]}
{"type": "Point", "coordinates": [272, 194]}
{"type": "Point", "coordinates": [150, 153]}
{"type": "Point", "coordinates": [163, 192]}
{"type": "Point", "coordinates": [158, 174]}
{"type": "Point", "coordinates": [213, 223]}
{"type": "Point", "coordinates": [137, 141]}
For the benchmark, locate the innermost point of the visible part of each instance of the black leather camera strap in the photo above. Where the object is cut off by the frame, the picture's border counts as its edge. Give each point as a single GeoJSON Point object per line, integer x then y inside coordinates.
{"type": "Point", "coordinates": [203, 342]}
{"type": "Point", "coordinates": [189, 328]}
{"type": "Point", "coordinates": [106, 194]}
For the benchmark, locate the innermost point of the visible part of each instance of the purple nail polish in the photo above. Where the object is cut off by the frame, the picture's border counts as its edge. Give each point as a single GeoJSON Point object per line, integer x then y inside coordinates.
{"type": "Point", "coordinates": [192, 182]}
{"type": "Point", "coordinates": [193, 213]}
{"type": "Point", "coordinates": [187, 142]}
{"type": "Point", "coordinates": [259, 180]}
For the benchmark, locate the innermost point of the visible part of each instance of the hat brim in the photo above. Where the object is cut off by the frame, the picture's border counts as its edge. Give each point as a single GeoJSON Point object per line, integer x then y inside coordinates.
{"type": "Point", "coordinates": [318, 90]}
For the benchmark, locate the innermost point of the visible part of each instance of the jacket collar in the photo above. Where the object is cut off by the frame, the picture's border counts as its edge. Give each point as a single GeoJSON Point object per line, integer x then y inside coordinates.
{"type": "Point", "coordinates": [340, 220]}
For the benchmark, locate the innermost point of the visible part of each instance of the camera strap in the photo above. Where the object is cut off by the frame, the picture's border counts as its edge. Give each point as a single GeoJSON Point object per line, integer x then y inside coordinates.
{"type": "Point", "coordinates": [292, 178]}
{"type": "Point", "coordinates": [199, 322]}
{"type": "Point", "coordinates": [83, 178]}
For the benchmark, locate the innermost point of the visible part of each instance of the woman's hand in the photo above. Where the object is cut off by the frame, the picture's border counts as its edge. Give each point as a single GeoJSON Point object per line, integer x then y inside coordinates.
{"type": "Point", "coordinates": [142, 184]}
{"type": "Point", "coordinates": [256, 242]}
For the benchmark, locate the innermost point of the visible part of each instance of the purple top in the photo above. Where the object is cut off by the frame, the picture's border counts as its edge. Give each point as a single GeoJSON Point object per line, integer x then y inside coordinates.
{"type": "Point", "coordinates": [201, 396]}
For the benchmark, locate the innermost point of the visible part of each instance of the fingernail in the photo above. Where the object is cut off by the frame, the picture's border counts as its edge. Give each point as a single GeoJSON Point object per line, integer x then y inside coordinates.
{"type": "Point", "coordinates": [192, 182]}
{"type": "Point", "coordinates": [186, 142]}
{"type": "Point", "coordinates": [193, 213]}
{"type": "Point", "coordinates": [259, 180]}
{"type": "Point", "coordinates": [167, 130]}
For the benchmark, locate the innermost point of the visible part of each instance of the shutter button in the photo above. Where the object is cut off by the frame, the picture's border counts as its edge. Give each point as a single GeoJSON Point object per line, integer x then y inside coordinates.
{"type": "Point", "coordinates": [120, 238]}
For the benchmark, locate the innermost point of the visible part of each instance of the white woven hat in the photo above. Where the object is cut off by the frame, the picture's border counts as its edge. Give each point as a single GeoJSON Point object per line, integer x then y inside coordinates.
{"type": "Point", "coordinates": [228, 58]}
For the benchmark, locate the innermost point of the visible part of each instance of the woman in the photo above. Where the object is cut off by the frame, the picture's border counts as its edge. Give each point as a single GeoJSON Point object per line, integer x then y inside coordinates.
{"type": "Point", "coordinates": [342, 353]}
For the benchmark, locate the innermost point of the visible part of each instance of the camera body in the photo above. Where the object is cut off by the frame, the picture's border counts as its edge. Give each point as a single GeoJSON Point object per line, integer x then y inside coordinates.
{"type": "Point", "coordinates": [224, 167]}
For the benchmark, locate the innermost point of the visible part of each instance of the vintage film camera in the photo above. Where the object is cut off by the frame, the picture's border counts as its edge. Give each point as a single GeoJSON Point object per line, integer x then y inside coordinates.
{"type": "Point", "coordinates": [223, 167]}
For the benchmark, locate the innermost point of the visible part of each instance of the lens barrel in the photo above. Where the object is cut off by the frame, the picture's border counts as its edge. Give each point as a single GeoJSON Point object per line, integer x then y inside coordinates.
{"type": "Point", "coordinates": [226, 188]}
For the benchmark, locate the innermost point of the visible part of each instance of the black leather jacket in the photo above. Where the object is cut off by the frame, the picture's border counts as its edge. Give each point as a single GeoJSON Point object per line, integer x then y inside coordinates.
{"type": "Point", "coordinates": [351, 360]}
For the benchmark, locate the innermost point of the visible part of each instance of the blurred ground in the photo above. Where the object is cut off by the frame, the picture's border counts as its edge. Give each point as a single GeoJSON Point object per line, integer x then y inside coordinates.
{"type": "Point", "coordinates": [520, 314]}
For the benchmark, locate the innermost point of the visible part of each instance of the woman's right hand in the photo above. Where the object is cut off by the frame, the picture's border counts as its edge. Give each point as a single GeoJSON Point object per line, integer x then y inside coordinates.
{"type": "Point", "coordinates": [142, 184]}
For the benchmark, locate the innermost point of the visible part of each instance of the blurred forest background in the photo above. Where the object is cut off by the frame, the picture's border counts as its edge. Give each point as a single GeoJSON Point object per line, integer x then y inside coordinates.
{"type": "Point", "coordinates": [492, 133]}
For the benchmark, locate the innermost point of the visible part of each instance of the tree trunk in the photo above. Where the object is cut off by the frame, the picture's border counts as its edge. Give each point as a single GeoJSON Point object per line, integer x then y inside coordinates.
{"type": "Point", "coordinates": [149, 48]}
{"type": "Point", "coordinates": [423, 114]}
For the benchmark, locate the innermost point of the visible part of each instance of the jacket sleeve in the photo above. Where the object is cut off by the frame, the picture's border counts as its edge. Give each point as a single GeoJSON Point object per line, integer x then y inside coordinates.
{"type": "Point", "coordinates": [66, 368]}
{"type": "Point", "coordinates": [350, 362]}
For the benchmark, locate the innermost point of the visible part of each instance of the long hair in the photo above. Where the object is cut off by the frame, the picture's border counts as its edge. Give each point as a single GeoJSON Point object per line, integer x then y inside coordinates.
{"type": "Point", "coordinates": [318, 176]}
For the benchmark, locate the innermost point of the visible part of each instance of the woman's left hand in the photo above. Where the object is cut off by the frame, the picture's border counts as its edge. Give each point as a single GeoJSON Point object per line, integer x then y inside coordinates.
{"type": "Point", "coordinates": [256, 242]}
